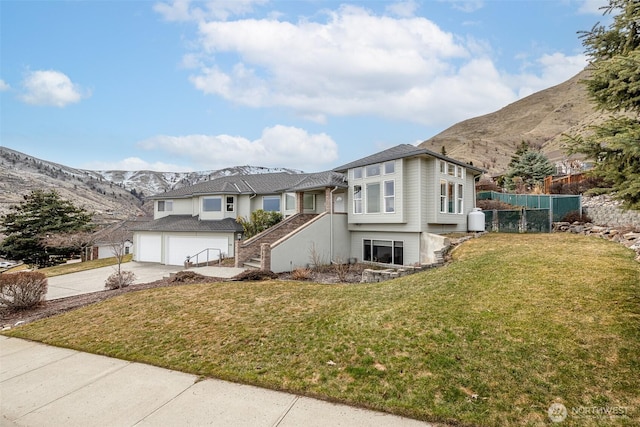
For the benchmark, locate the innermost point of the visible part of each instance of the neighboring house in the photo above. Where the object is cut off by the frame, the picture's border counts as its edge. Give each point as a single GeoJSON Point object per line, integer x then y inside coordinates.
{"type": "Point", "coordinates": [113, 239]}
{"type": "Point", "coordinates": [390, 207]}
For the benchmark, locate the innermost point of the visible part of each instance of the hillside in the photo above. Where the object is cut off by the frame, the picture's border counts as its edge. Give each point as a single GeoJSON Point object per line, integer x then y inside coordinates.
{"type": "Point", "coordinates": [112, 195]}
{"type": "Point", "coordinates": [540, 119]}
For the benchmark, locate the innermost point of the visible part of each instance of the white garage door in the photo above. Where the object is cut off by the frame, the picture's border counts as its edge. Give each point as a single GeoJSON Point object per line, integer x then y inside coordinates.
{"type": "Point", "coordinates": [179, 248]}
{"type": "Point", "coordinates": [149, 248]}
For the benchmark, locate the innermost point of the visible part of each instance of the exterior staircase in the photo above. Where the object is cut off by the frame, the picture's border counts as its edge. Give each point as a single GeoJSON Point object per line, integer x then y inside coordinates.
{"type": "Point", "coordinates": [248, 252]}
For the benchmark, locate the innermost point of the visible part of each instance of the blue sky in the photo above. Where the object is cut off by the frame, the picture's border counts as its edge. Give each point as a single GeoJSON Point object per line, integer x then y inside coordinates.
{"type": "Point", "coordinates": [306, 84]}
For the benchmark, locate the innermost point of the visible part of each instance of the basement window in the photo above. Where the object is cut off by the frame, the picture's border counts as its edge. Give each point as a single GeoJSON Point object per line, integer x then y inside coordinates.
{"type": "Point", "coordinates": [384, 251]}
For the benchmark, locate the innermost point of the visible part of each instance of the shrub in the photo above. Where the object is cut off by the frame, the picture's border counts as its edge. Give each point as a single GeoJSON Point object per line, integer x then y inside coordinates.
{"type": "Point", "coordinates": [301, 274]}
{"type": "Point", "coordinates": [574, 216]}
{"type": "Point", "coordinates": [120, 279]}
{"type": "Point", "coordinates": [22, 290]}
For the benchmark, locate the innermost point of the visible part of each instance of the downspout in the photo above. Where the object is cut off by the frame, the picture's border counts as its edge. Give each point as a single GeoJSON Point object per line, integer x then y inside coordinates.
{"type": "Point", "coordinates": [331, 223]}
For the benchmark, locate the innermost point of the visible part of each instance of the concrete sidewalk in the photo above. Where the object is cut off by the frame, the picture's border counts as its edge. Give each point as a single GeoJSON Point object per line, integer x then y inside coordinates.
{"type": "Point", "coordinates": [42, 385]}
{"type": "Point", "coordinates": [84, 282]}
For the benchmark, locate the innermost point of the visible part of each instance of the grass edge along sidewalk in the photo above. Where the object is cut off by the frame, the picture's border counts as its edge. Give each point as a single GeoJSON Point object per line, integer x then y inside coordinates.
{"type": "Point", "coordinates": [515, 324]}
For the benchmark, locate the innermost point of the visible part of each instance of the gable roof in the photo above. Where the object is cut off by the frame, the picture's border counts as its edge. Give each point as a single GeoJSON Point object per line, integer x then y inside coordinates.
{"type": "Point", "coordinates": [267, 183]}
{"type": "Point", "coordinates": [400, 152]}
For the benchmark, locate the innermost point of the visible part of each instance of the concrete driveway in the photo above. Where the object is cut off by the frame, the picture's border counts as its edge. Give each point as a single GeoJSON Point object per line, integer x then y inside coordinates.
{"type": "Point", "coordinates": [85, 282]}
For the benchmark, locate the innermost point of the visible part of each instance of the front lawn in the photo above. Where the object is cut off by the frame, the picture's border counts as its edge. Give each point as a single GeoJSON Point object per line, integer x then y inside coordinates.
{"type": "Point", "coordinates": [514, 324]}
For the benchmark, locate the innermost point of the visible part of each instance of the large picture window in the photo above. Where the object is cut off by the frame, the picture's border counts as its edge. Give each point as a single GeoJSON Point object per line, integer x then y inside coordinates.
{"type": "Point", "coordinates": [373, 198]}
{"type": "Point", "coordinates": [357, 199]}
{"type": "Point", "coordinates": [271, 203]}
{"type": "Point", "coordinates": [384, 251]}
{"type": "Point", "coordinates": [212, 204]}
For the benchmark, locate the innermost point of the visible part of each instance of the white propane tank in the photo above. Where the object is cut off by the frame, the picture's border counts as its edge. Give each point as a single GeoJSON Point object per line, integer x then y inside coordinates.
{"type": "Point", "coordinates": [475, 220]}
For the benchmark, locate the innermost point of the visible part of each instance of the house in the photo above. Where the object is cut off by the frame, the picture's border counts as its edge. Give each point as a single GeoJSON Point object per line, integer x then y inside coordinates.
{"type": "Point", "coordinates": [199, 222]}
{"type": "Point", "coordinates": [390, 207]}
{"type": "Point", "coordinates": [113, 240]}
{"type": "Point", "coordinates": [402, 200]}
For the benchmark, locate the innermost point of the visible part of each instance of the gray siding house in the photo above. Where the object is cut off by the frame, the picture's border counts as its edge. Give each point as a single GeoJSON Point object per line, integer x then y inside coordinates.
{"type": "Point", "coordinates": [391, 207]}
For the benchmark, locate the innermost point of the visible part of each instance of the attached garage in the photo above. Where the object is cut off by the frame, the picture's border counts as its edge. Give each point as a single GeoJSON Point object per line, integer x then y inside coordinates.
{"type": "Point", "coordinates": [149, 248]}
{"type": "Point", "coordinates": [170, 240]}
{"type": "Point", "coordinates": [179, 248]}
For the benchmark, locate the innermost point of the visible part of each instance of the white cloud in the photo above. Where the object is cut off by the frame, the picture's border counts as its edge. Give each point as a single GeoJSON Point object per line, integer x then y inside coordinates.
{"type": "Point", "coordinates": [136, 164]}
{"type": "Point", "coordinates": [404, 9]}
{"type": "Point", "coordinates": [52, 88]}
{"type": "Point", "coordinates": [350, 61]}
{"type": "Point", "coordinates": [4, 86]}
{"type": "Point", "coordinates": [592, 7]}
{"type": "Point", "coordinates": [186, 10]}
{"type": "Point", "coordinates": [467, 6]}
{"type": "Point", "coordinates": [556, 68]}
{"type": "Point", "coordinates": [278, 146]}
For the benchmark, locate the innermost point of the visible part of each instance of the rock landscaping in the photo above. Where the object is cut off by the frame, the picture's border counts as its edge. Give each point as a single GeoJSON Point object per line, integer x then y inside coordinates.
{"type": "Point", "coordinates": [627, 236]}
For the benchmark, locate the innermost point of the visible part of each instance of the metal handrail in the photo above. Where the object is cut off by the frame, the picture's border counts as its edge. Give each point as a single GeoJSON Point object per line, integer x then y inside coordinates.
{"type": "Point", "coordinates": [196, 256]}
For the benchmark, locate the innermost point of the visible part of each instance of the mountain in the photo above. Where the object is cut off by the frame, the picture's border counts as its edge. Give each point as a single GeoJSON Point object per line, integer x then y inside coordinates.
{"type": "Point", "coordinates": [111, 195]}
{"type": "Point", "coordinates": [541, 119]}
{"type": "Point", "coordinates": [488, 141]}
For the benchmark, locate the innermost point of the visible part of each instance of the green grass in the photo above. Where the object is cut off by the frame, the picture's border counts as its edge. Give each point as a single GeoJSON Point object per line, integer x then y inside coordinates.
{"type": "Point", "coordinates": [75, 267]}
{"type": "Point", "coordinates": [515, 323]}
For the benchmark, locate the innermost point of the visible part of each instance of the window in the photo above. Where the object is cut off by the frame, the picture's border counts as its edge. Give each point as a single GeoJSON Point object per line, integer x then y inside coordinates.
{"type": "Point", "coordinates": [165, 206]}
{"type": "Point", "coordinates": [451, 198]}
{"type": "Point", "coordinates": [389, 167]}
{"type": "Point", "coordinates": [460, 195]}
{"type": "Point", "coordinates": [309, 201]}
{"type": "Point", "coordinates": [460, 172]}
{"type": "Point", "coordinates": [290, 202]}
{"type": "Point", "coordinates": [271, 203]}
{"type": "Point", "coordinates": [385, 251]}
{"type": "Point", "coordinates": [212, 204]}
{"type": "Point", "coordinates": [373, 198]}
{"type": "Point", "coordinates": [357, 173]}
{"type": "Point", "coordinates": [389, 196]}
{"type": "Point", "coordinates": [230, 204]}
{"type": "Point", "coordinates": [443, 167]}
{"type": "Point", "coordinates": [443, 196]}
{"type": "Point", "coordinates": [373, 170]}
{"type": "Point", "coordinates": [357, 199]}
{"type": "Point", "coordinates": [451, 169]}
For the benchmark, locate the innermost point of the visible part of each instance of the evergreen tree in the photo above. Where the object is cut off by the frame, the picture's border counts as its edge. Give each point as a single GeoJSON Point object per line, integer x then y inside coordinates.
{"type": "Point", "coordinates": [41, 214]}
{"type": "Point", "coordinates": [530, 167]}
{"type": "Point", "coordinates": [614, 86]}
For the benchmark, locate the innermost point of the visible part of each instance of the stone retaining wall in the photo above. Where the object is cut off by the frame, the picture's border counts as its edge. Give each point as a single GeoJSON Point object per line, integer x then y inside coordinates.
{"type": "Point", "coordinates": [630, 239]}
{"type": "Point", "coordinates": [607, 212]}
